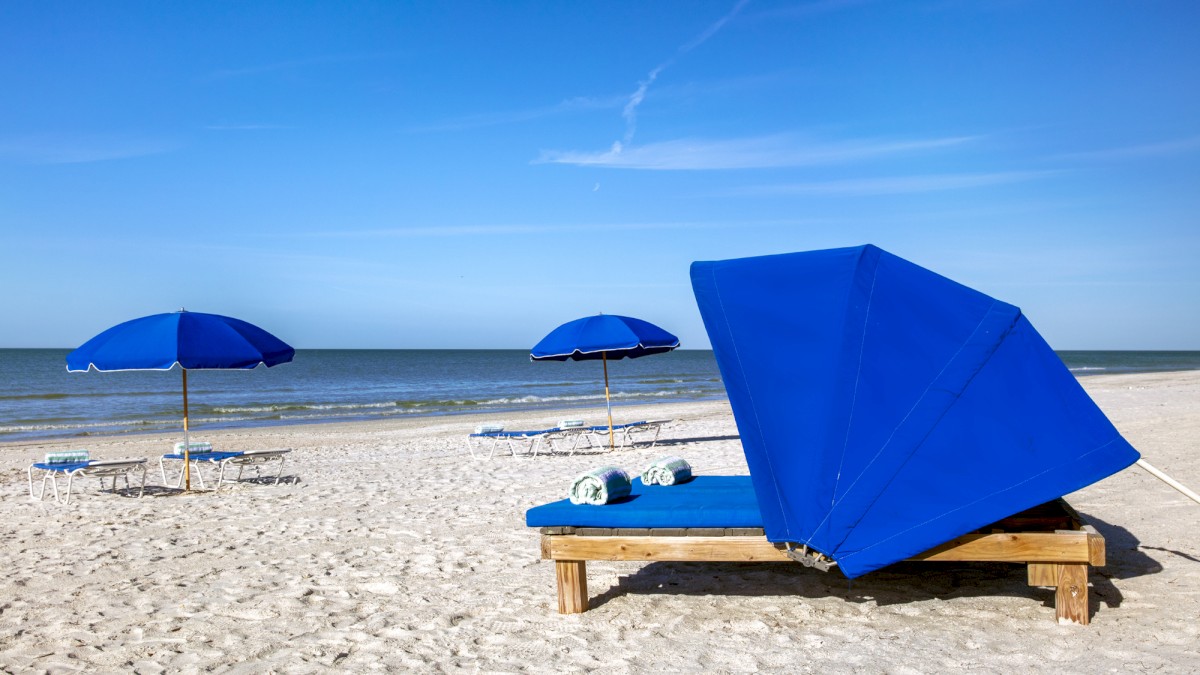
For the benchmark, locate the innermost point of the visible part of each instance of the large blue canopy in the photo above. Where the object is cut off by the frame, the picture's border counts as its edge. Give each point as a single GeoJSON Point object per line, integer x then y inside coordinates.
{"type": "Point", "coordinates": [606, 336]}
{"type": "Point", "coordinates": [193, 340]}
{"type": "Point", "coordinates": [885, 409]}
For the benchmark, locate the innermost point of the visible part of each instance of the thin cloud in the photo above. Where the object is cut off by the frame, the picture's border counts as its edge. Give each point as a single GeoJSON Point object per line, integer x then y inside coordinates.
{"type": "Point", "coordinates": [629, 112]}
{"type": "Point", "coordinates": [762, 152]}
{"type": "Point", "coordinates": [725, 86]}
{"type": "Point", "coordinates": [892, 185]}
{"type": "Point", "coordinates": [577, 104]}
{"type": "Point", "coordinates": [52, 149]}
{"type": "Point", "coordinates": [1161, 149]}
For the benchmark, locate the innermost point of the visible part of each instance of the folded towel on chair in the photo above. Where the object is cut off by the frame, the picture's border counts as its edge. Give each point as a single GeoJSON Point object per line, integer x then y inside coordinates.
{"type": "Point", "coordinates": [489, 428]}
{"type": "Point", "coordinates": [570, 424]}
{"type": "Point", "coordinates": [67, 457]}
{"type": "Point", "coordinates": [600, 486]}
{"type": "Point", "coordinates": [667, 471]}
{"type": "Point", "coordinates": [194, 447]}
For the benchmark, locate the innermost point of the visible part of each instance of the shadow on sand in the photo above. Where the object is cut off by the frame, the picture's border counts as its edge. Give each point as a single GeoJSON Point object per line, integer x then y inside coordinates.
{"type": "Point", "coordinates": [901, 583]}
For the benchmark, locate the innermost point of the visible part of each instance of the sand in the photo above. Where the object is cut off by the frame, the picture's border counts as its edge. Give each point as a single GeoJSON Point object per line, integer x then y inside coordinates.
{"type": "Point", "coordinates": [394, 550]}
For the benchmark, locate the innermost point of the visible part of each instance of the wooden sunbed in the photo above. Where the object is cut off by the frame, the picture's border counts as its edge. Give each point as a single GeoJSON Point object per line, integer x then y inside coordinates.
{"type": "Point", "coordinates": [1052, 540]}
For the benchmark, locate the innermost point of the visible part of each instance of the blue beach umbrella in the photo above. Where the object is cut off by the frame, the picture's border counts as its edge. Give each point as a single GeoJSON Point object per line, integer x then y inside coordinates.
{"type": "Point", "coordinates": [603, 337]}
{"type": "Point", "coordinates": [190, 340]}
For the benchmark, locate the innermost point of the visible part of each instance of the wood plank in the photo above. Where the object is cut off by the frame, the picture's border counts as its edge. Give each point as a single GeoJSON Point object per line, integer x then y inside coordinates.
{"type": "Point", "coordinates": [1043, 574]}
{"type": "Point", "coordinates": [715, 549]}
{"type": "Point", "coordinates": [1013, 547]}
{"type": "Point", "coordinates": [1026, 547]}
{"type": "Point", "coordinates": [572, 586]}
{"type": "Point", "coordinates": [1071, 596]}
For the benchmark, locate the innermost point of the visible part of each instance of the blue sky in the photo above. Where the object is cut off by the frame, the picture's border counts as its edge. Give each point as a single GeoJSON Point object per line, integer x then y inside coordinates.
{"type": "Point", "coordinates": [471, 175]}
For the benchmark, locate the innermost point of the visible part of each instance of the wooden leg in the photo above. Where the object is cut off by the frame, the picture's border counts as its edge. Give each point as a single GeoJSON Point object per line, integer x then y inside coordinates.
{"type": "Point", "coordinates": [1071, 596]}
{"type": "Point", "coordinates": [572, 586]}
{"type": "Point", "coordinates": [1043, 574]}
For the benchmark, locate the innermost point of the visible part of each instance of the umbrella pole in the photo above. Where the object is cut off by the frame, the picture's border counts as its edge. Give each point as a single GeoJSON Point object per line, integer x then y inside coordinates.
{"type": "Point", "coordinates": [187, 446]}
{"type": "Point", "coordinates": [608, 402]}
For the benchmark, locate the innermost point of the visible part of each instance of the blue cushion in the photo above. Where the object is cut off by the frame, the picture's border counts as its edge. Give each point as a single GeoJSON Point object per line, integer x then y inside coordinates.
{"type": "Point", "coordinates": [705, 501]}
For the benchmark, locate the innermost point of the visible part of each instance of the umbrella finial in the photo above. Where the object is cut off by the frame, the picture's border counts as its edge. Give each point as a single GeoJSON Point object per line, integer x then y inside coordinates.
{"type": "Point", "coordinates": [182, 310]}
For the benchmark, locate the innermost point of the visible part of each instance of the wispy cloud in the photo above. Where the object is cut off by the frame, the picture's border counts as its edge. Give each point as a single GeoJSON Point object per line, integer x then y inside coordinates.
{"type": "Point", "coordinates": [723, 87]}
{"type": "Point", "coordinates": [577, 104]}
{"type": "Point", "coordinates": [892, 185]}
{"type": "Point", "coordinates": [73, 149]}
{"type": "Point", "coordinates": [629, 112]}
{"type": "Point", "coordinates": [1178, 146]}
{"type": "Point", "coordinates": [761, 152]}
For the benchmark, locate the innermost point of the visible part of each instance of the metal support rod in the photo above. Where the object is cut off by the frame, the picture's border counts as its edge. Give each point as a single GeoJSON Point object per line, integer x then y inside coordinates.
{"type": "Point", "coordinates": [1168, 480]}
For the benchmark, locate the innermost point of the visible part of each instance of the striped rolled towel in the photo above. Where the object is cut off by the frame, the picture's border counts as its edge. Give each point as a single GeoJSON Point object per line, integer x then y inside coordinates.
{"type": "Point", "coordinates": [600, 486]}
{"type": "Point", "coordinates": [667, 471]}
{"type": "Point", "coordinates": [68, 457]}
{"type": "Point", "coordinates": [195, 446]}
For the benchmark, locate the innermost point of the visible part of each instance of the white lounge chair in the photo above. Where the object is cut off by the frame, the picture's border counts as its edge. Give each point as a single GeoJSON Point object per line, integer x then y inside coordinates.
{"type": "Point", "coordinates": [628, 435]}
{"type": "Point", "coordinates": [202, 453]}
{"type": "Point", "coordinates": [477, 441]}
{"type": "Point", "coordinates": [101, 468]}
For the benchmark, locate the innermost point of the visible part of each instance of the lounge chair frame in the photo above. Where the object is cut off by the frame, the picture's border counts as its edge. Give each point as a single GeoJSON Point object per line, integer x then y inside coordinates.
{"type": "Point", "coordinates": [1052, 540]}
{"type": "Point", "coordinates": [101, 468]}
{"type": "Point", "coordinates": [627, 435]}
{"type": "Point", "coordinates": [549, 439]}
{"type": "Point", "coordinates": [222, 460]}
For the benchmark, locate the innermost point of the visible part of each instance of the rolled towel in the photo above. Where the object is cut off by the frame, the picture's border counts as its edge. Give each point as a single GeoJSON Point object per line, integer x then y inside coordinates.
{"type": "Point", "coordinates": [570, 424]}
{"type": "Point", "coordinates": [600, 486]}
{"type": "Point", "coordinates": [489, 428]}
{"type": "Point", "coordinates": [197, 446]}
{"type": "Point", "coordinates": [667, 471]}
{"type": "Point", "coordinates": [67, 457]}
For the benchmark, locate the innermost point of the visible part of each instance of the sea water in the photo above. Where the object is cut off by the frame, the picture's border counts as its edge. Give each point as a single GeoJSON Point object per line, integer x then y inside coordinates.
{"type": "Point", "coordinates": [40, 399]}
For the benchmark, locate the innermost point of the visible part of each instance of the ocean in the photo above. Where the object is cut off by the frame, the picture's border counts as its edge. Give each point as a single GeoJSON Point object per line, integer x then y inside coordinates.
{"type": "Point", "coordinates": [40, 399]}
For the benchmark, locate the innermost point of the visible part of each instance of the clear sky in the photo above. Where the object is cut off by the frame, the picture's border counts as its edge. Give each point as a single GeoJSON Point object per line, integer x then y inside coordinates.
{"type": "Point", "coordinates": [441, 174]}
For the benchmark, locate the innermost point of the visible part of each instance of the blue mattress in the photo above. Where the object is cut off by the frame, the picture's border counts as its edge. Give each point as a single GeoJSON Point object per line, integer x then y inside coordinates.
{"type": "Point", "coordinates": [705, 501]}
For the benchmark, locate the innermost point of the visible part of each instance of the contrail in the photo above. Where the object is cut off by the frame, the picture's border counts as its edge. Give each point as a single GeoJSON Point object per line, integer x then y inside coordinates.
{"type": "Point", "coordinates": [630, 111]}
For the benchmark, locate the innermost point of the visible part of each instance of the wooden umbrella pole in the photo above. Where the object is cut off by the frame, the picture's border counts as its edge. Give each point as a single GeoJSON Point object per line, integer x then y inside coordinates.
{"type": "Point", "coordinates": [1168, 480]}
{"type": "Point", "coordinates": [187, 445]}
{"type": "Point", "coordinates": [608, 402]}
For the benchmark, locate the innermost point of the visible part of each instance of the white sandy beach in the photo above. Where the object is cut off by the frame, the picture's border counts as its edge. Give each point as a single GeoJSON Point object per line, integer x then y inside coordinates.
{"type": "Point", "coordinates": [394, 550]}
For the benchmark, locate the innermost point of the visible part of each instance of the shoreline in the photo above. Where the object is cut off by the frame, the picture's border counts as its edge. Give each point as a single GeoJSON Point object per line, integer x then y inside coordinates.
{"type": "Point", "coordinates": [395, 550]}
{"type": "Point", "coordinates": [551, 411]}
{"type": "Point", "coordinates": [527, 414]}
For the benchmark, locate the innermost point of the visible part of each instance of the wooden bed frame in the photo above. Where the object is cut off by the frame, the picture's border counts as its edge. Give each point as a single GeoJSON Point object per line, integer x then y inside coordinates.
{"type": "Point", "coordinates": [1052, 539]}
